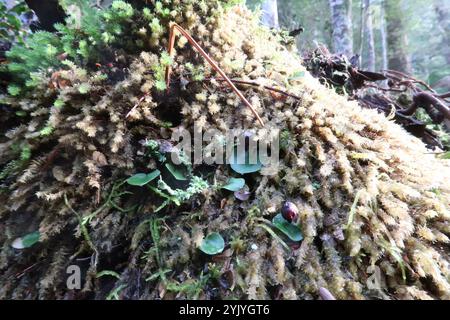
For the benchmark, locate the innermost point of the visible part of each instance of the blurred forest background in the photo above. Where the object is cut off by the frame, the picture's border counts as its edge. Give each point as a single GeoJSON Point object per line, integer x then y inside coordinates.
{"type": "Point", "coordinates": [412, 36]}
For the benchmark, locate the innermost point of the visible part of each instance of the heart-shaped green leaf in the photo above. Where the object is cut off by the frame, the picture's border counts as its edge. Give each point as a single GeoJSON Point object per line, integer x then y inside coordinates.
{"type": "Point", "coordinates": [26, 241]}
{"type": "Point", "coordinates": [290, 230]}
{"type": "Point", "coordinates": [178, 172]}
{"type": "Point", "coordinates": [242, 165]}
{"type": "Point", "coordinates": [213, 244]}
{"type": "Point", "coordinates": [234, 184]}
{"type": "Point", "coordinates": [141, 179]}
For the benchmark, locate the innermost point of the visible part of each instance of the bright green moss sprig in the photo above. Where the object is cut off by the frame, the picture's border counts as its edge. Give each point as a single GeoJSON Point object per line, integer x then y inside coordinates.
{"type": "Point", "coordinates": [24, 155]}
{"type": "Point", "coordinates": [31, 57]}
{"type": "Point", "coordinates": [160, 69]}
{"type": "Point", "coordinates": [85, 37]}
{"type": "Point", "coordinates": [89, 36]}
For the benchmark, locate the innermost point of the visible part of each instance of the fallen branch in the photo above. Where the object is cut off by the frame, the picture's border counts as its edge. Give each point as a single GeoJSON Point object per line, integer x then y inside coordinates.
{"type": "Point", "coordinates": [445, 95]}
{"type": "Point", "coordinates": [426, 100]}
{"type": "Point", "coordinates": [404, 75]}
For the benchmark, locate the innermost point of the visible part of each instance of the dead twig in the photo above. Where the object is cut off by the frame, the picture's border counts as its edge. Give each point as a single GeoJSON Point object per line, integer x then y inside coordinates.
{"type": "Point", "coordinates": [404, 75]}
{"type": "Point", "coordinates": [21, 274]}
{"type": "Point", "coordinates": [175, 27]}
{"type": "Point", "coordinates": [385, 89]}
{"type": "Point", "coordinates": [255, 84]}
{"type": "Point", "coordinates": [136, 105]}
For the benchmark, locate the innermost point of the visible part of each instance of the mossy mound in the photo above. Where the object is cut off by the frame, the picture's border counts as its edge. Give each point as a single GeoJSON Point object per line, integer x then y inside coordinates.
{"type": "Point", "coordinates": [373, 204]}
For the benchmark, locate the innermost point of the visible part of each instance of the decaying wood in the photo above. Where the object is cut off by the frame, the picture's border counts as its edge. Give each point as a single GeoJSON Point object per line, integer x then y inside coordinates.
{"type": "Point", "coordinates": [337, 71]}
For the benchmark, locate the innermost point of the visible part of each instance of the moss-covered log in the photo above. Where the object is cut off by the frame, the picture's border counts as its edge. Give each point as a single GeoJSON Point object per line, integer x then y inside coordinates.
{"type": "Point", "coordinates": [373, 206]}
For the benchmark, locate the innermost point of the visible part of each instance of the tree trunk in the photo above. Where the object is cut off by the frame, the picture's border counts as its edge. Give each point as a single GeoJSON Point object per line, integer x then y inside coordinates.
{"type": "Point", "coordinates": [383, 35]}
{"type": "Point", "coordinates": [370, 42]}
{"type": "Point", "coordinates": [341, 11]}
{"type": "Point", "coordinates": [270, 14]}
{"type": "Point", "coordinates": [398, 58]}
{"type": "Point", "coordinates": [361, 33]}
{"type": "Point", "coordinates": [443, 17]}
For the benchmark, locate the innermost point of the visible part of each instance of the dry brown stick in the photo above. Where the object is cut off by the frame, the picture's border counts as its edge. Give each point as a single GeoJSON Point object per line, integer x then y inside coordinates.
{"type": "Point", "coordinates": [136, 105]}
{"type": "Point", "coordinates": [385, 89]}
{"type": "Point", "coordinates": [444, 95]}
{"type": "Point", "coordinates": [404, 75]}
{"type": "Point", "coordinates": [21, 274]}
{"type": "Point", "coordinates": [255, 84]}
{"type": "Point", "coordinates": [175, 27]}
{"type": "Point", "coordinates": [393, 77]}
{"type": "Point", "coordinates": [398, 73]}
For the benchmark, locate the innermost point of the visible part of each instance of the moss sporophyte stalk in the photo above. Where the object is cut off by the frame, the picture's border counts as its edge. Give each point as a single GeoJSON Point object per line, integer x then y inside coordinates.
{"type": "Point", "coordinates": [94, 168]}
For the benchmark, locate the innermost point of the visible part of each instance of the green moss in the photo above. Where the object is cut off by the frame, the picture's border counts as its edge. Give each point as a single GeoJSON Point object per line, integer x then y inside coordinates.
{"type": "Point", "coordinates": [91, 145]}
{"type": "Point", "coordinates": [13, 90]}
